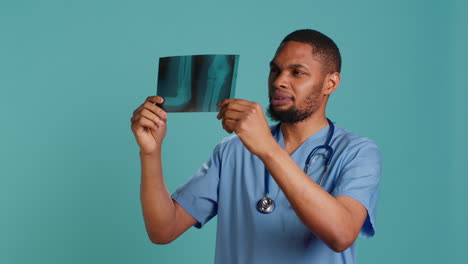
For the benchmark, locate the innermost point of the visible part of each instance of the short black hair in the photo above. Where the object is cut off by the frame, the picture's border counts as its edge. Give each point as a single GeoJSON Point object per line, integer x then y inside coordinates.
{"type": "Point", "coordinates": [323, 47]}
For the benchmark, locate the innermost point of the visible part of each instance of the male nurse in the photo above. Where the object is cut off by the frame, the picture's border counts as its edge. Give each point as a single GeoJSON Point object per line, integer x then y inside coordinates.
{"type": "Point", "coordinates": [323, 200]}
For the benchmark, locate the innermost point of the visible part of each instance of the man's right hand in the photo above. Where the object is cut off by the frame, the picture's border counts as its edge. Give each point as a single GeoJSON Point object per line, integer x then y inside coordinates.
{"type": "Point", "coordinates": [149, 125]}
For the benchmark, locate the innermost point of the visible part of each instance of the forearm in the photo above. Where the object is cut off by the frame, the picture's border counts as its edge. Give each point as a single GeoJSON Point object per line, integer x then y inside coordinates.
{"type": "Point", "coordinates": [322, 213]}
{"type": "Point", "coordinates": [158, 208]}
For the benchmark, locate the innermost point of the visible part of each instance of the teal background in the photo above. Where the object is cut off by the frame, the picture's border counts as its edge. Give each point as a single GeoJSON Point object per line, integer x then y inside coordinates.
{"type": "Point", "coordinates": [72, 72]}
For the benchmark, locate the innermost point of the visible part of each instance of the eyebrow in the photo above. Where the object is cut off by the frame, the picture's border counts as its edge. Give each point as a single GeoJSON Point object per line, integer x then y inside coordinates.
{"type": "Point", "coordinates": [272, 63]}
{"type": "Point", "coordinates": [297, 66]}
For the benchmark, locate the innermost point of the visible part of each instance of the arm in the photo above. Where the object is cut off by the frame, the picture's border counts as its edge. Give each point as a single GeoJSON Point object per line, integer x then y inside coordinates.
{"type": "Point", "coordinates": [164, 219]}
{"type": "Point", "coordinates": [335, 220]}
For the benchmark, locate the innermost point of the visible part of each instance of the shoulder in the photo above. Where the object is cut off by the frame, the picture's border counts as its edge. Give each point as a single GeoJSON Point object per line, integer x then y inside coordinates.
{"type": "Point", "coordinates": [350, 145]}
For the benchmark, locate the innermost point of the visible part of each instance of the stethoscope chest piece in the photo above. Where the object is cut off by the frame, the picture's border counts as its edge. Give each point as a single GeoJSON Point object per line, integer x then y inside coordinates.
{"type": "Point", "coordinates": [266, 205]}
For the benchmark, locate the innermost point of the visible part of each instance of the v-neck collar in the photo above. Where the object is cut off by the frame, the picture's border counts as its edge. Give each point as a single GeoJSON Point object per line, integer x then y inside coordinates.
{"type": "Point", "coordinates": [312, 139]}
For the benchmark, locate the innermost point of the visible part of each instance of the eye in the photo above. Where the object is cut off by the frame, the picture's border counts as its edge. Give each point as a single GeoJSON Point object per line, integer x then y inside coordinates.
{"type": "Point", "coordinates": [298, 73]}
{"type": "Point", "coordinates": [273, 70]}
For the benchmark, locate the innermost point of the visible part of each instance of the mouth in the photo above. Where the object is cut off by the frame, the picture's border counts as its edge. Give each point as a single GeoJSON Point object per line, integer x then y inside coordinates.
{"type": "Point", "coordinates": [280, 98]}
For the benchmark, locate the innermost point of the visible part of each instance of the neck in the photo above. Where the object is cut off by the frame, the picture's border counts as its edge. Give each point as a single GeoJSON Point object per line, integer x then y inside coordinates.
{"type": "Point", "coordinates": [294, 134]}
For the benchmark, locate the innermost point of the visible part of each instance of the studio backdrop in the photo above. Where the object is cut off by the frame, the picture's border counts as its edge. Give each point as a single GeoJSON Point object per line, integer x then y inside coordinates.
{"type": "Point", "coordinates": [72, 72]}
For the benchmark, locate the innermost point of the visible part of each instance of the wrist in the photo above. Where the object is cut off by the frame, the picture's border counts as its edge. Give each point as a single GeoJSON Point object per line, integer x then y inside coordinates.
{"type": "Point", "coordinates": [150, 154]}
{"type": "Point", "coordinates": [271, 151]}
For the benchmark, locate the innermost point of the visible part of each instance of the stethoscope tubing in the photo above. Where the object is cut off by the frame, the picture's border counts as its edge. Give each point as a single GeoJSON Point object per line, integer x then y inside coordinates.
{"type": "Point", "coordinates": [326, 146]}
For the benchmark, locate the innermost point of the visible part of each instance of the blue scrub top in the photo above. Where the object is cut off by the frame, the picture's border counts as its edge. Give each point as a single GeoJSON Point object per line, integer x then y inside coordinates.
{"type": "Point", "coordinates": [231, 182]}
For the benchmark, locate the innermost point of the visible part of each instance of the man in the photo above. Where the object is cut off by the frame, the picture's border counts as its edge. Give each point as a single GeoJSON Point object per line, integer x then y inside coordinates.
{"type": "Point", "coordinates": [317, 215]}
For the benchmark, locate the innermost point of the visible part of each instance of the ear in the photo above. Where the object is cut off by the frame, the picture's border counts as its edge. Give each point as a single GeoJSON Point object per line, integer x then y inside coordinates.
{"type": "Point", "coordinates": [331, 82]}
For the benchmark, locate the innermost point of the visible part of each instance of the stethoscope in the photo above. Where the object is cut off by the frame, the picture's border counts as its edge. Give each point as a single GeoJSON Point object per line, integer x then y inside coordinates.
{"type": "Point", "coordinates": [266, 205]}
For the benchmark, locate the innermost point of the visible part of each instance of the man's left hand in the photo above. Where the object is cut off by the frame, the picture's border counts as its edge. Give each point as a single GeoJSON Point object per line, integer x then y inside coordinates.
{"type": "Point", "coordinates": [248, 121]}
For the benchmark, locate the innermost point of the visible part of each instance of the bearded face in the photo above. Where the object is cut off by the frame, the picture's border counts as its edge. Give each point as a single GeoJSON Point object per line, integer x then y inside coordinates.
{"type": "Point", "coordinates": [296, 113]}
{"type": "Point", "coordinates": [295, 83]}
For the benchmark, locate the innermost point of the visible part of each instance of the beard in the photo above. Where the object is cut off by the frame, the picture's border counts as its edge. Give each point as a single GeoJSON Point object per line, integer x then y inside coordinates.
{"type": "Point", "coordinates": [295, 114]}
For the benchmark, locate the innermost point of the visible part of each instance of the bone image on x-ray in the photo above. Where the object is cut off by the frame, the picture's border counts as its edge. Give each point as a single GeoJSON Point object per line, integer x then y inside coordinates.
{"type": "Point", "coordinates": [196, 83]}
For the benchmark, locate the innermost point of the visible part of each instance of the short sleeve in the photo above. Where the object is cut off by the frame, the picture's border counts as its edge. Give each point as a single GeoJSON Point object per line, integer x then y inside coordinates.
{"type": "Point", "coordinates": [360, 179]}
{"type": "Point", "coordinates": [199, 195]}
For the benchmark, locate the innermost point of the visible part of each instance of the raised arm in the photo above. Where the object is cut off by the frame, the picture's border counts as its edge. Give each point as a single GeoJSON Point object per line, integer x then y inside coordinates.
{"type": "Point", "coordinates": [165, 219]}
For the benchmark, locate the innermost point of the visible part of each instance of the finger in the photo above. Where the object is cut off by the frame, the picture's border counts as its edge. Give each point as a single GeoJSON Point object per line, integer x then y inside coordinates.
{"type": "Point", "coordinates": [232, 115]}
{"type": "Point", "coordinates": [234, 106]}
{"type": "Point", "coordinates": [157, 123]}
{"type": "Point", "coordinates": [142, 123]}
{"type": "Point", "coordinates": [229, 125]}
{"type": "Point", "coordinates": [156, 110]}
{"type": "Point", "coordinates": [150, 100]}
{"type": "Point", "coordinates": [150, 115]}
{"type": "Point", "coordinates": [230, 100]}
{"type": "Point", "coordinates": [223, 110]}
{"type": "Point", "coordinates": [147, 114]}
{"type": "Point", "coordinates": [138, 109]}
{"type": "Point", "coordinates": [152, 108]}
{"type": "Point", "coordinates": [155, 99]}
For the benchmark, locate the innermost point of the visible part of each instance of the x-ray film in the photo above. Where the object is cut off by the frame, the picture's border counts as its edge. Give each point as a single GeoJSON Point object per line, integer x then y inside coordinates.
{"type": "Point", "coordinates": [196, 83]}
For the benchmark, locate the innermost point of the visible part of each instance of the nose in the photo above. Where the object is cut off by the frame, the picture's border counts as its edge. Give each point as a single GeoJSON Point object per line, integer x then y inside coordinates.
{"type": "Point", "coordinates": [279, 80]}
